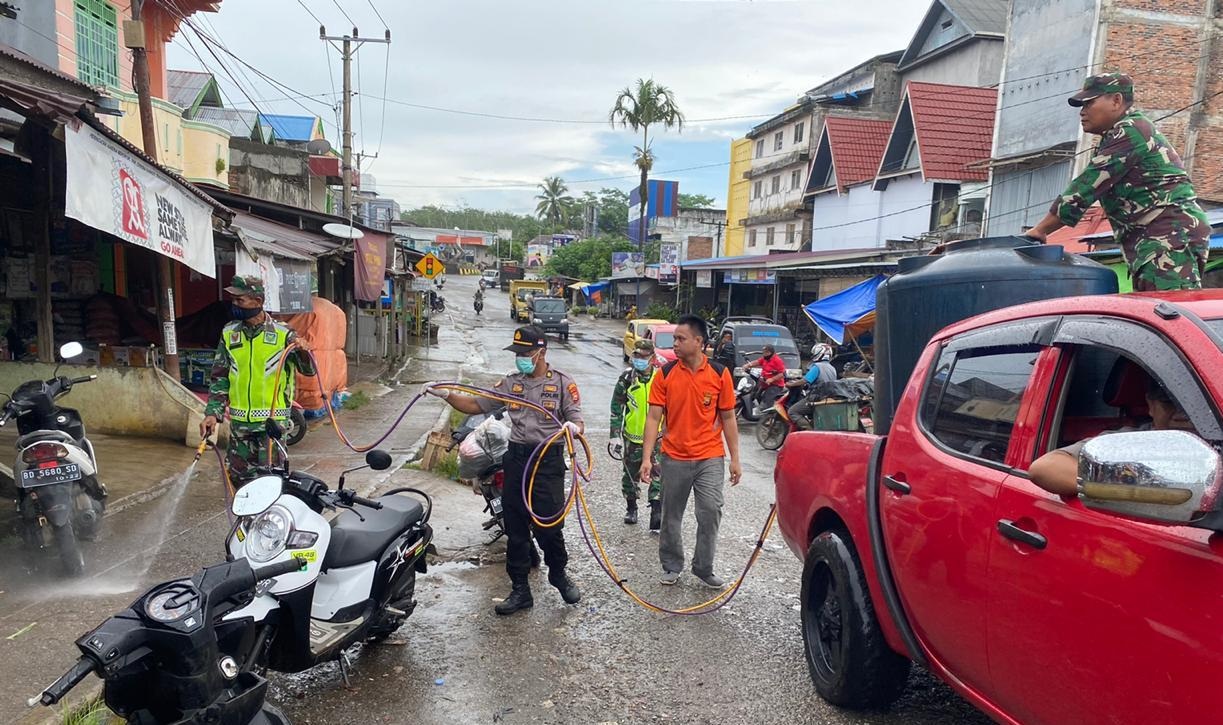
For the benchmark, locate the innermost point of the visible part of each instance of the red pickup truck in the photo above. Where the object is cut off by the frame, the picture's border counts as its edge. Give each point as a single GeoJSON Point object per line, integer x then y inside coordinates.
{"type": "Point", "coordinates": [933, 545]}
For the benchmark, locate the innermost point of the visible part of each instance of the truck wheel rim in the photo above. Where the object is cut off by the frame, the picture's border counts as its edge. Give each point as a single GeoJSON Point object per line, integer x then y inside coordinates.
{"type": "Point", "coordinates": [826, 627]}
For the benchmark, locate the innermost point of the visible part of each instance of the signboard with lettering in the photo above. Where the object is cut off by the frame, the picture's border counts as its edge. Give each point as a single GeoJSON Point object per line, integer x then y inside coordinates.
{"type": "Point", "coordinates": [430, 266]}
{"type": "Point", "coordinates": [111, 189]}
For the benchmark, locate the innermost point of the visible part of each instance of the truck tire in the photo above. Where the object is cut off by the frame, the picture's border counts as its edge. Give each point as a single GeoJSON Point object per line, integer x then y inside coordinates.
{"type": "Point", "coordinates": [850, 663]}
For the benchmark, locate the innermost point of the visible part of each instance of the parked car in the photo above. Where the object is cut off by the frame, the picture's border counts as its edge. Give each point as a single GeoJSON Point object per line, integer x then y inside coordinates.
{"type": "Point", "coordinates": [751, 334]}
{"type": "Point", "coordinates": [663, 337]}
{"type": "Point", "coordinates": [634, 331]}
{"type": "Point", "coordinates": [932, 543]}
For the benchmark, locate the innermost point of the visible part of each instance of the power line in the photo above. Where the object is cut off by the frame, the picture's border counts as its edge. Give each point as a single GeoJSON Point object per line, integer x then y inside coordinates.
{"type": "Point", "coordinates": [310, 12]}
{"type": "Point", "coordinates": [351, 22]}
{"type": "Point", "coordinates": [375, 9]}
{"type": "Point", "coordinates": [532, 185]}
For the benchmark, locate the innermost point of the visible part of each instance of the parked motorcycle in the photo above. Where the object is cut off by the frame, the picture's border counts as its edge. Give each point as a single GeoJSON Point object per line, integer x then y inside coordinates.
{"type": "Point", "coordinates": [780, 421]}
{"type": "Point", "coordinates": [175, 656]}
{"type": "Point", "coordinates": [752, 397]}
{"type": "Point", "coordinates": [359, 583]}
{"type": "Point", "coordinates": [295, 426]}
{"type": "Point", "coordinates": [436, 303]}
{"type": "Point", "coordinates": [60, 501]}
{"type": "Point", "coordinates": [482, 442]}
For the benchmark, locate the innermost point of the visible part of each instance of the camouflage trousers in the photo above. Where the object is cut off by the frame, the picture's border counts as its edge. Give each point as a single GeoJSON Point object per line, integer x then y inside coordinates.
{"type": "Point", "coordinates": [630, 481]}
{"type": "Point", "coordinates": [248, 447]}
{"type": "Point", "coordinates": [1167, 267]}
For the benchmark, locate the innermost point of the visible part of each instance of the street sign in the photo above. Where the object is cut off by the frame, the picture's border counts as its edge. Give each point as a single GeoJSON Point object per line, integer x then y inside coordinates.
{"type": "Point", "coordinates": [430, 266]}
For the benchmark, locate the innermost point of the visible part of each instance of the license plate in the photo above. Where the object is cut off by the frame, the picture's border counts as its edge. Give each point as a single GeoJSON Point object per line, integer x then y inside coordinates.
{"type": "Point", "coordinates": [496, 505]}
{"type": "Point", "coordinates": [55, 474]}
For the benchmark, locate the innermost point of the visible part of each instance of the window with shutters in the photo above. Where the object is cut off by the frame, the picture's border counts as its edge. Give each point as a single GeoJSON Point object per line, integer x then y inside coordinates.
{"type": "Point", "coordinates": [795, 179]}
{"type": "Point", "coordinates": [756, 189]}
{"type": "Point", "coordinates": [779, 138]}
{"type": "Point", "coordinates": [97, 43]}
{"type": "Point", "coordinates": [798, 132]}
{"type": "Point", "coordinates": [790, 234]}
{"type": "Point", "coordinates": [760, 148]}
{"type": "Point", "coordinates": [768, 237]}
{"type": "Point", "coordinates": [776, 184]}
{"type": "Point", "coordinates": [751, 238]}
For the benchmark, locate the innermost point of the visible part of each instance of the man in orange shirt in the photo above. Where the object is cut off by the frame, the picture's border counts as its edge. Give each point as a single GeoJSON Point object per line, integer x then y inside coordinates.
{"type": "Point", "coordinates": [697, 397]}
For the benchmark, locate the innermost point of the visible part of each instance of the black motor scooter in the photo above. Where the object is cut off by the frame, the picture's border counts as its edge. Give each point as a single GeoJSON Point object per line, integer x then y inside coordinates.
{"type": "Point", "coordinates": [60, 501]}
{"type": "Point", "coordinates": [170, 658]}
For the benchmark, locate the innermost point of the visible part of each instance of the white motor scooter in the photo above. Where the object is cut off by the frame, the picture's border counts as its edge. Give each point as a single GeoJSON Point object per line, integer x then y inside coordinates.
{"type": "Point", "coordinates": [359, 576]}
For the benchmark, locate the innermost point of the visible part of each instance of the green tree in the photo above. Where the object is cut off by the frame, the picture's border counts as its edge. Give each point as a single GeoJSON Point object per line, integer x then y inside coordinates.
{"type": "Point", "coordinates": [588, 259]}
{"type": "Point", "coordinates": [555, 204]}
{"type": "Point", "coordinates": [698, 201]}
{"type": "Point", "coordinates": [638, 108]}
{"type": "Point", "coordinates": [523, 226]}
{"type": "Point", "coordinates": [613, 210]}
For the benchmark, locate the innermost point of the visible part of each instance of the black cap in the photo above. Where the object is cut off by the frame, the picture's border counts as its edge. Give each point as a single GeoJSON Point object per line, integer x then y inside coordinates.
{"type": "Point", "coordinates": [528, 339]}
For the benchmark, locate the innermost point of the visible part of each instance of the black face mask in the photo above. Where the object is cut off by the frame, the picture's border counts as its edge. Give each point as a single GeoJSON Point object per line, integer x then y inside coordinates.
{"type": "Point", "coordinates": [241, 313]}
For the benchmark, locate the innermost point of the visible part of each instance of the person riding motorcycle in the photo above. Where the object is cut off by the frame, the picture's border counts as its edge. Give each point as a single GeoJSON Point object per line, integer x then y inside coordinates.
{"type": "Point", "coordinates": [820, 370]}
{"type": "Point", "coordinates": [478, 302]}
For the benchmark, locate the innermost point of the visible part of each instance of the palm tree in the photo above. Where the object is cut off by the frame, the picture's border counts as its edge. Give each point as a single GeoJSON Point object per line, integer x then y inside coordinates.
{"type": "Point", "coordinates": [639, 108]}
{"type": "Point", "coordinates": [554, 201]}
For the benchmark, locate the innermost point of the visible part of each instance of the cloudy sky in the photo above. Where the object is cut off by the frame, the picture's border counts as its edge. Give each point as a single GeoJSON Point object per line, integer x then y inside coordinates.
{"type": "Point", "coordinates": [560, 62]}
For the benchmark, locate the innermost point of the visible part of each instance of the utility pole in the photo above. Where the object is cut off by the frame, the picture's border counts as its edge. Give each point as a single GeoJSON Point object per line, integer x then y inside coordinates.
{"type": "Point", "coordinates": [133, 35]}
{"type": "Point", "coordinates": [349, 45]}
{"type": "Point", "coordinates": [717, 246]}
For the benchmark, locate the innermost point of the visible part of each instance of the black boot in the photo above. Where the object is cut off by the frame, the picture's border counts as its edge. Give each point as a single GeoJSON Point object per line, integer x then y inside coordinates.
{"type": "Point", "coordinates": [519, 598]}
{"type": "Point", "coordinates": [630, 513]}
{"type": "Point", "coordinates": [569, 591]}
{"type": "Point", "coordinates": [655, 516]}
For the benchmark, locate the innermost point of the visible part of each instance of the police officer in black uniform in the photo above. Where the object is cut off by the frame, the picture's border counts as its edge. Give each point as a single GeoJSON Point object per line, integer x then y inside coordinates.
{"type": "Point", "coordinates": [556, 392]}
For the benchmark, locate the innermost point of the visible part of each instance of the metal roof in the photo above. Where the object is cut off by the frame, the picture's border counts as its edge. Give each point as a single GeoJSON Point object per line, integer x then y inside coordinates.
{"type": "Point", "coordinates": [290, 128]}
{"type": "Point", "coordinates": [282, 239]}
{"type": "Point", "coordinates": [239, 122]}
{"type": "Point", "coordinates": [185, 86]}
{"type": "Point", "coordinates": [981, 16]}
{"type": "Point", "coordinates": [784, 260]}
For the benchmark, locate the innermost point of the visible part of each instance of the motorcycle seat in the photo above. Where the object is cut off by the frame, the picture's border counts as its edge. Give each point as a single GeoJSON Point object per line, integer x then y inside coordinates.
{"type": "Point", "coordinates": [490, 470]}
{"type": "Point", "coordinates": [354, 541]}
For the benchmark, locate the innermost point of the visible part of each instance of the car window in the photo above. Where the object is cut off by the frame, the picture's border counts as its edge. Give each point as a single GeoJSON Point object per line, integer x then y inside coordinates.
{"type": "Point", "coordinates": [973, 398]}
{"type": "Point", "coordinates": [549, 306]}
{"type": "Point", "coordinates": [664, 340]}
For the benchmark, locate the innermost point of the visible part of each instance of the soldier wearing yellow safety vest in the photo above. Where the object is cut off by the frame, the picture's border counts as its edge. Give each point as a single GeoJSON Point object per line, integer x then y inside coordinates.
{"type": "Point", "coordinates": [244, 377]}
{"type": "Point", "coordinates": [629, 405]}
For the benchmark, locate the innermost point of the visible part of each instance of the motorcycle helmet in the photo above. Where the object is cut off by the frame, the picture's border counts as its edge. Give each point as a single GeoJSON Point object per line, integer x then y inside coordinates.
{"type": "Point", "coordinates": [821, 352]}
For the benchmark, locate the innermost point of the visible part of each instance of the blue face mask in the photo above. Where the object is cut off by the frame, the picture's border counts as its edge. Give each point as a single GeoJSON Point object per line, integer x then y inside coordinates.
{"type": "Point", "coordinates": [242, 313]}
{"type": "Point", "coordinates": [640, 365]}
{"type": "Point", "coordinates": [526, 365]}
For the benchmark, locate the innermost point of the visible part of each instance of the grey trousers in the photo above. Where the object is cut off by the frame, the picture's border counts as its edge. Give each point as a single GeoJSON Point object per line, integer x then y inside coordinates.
{"type": "Point", "coordinates": [706, 478]}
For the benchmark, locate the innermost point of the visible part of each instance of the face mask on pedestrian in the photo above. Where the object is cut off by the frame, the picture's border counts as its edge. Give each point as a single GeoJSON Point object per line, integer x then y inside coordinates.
{"type": "Point", "coordinates": [243, 313]}
{"type": "Point", "coordinates": [641, 365]}
{"type": "Point", "coordinates": [525, 363]}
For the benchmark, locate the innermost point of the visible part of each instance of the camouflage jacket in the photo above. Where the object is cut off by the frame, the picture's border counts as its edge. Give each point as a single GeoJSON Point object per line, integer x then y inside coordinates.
{"type": "Point", "coordinates": [619, 399]}
{"type": "Point", "coordinates": [1140, 182]}
{"type": "Point", "coordinates": [218, 388]}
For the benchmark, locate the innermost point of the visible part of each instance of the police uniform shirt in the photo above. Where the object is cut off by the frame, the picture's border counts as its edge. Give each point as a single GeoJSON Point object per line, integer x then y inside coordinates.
{"type": "Point", "coordinates": [554, 391]}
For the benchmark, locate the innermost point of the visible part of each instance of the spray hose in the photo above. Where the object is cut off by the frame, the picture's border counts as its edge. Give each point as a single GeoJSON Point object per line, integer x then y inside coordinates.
{"type": "Point", "coordinates": [582, 471]}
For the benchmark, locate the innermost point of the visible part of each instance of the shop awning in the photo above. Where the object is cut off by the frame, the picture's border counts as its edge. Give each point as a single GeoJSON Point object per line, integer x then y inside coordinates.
{"type": "Point", "coordinates": [578, 285]}
{"type": "Point", "coordinates": [284, 240]}
{"type": "Point", "coordinates": [849, 311]}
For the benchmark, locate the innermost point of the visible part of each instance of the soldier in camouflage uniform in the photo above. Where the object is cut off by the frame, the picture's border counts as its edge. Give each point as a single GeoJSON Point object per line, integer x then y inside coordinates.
{"type": "Point", "coordinates": [1140, 182]}
{"type": "Point", "coordinates": [244, 377]}
{"type": "Point", "coordinates": [629, 406]}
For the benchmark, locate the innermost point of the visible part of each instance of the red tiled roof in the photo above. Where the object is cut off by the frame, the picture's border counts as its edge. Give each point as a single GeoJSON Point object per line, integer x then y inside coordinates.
{"type": "Point", "coordinates": [857, 145]}
{"type": "Point", "coordinates": [954, 127]}
{"type": "Point", "coordinates": [1093, 222]}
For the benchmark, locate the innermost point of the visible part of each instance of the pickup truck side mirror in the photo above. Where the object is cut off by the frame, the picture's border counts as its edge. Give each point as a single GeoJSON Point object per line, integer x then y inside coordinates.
{"type": "Point", "coordinates": [1166, 476]}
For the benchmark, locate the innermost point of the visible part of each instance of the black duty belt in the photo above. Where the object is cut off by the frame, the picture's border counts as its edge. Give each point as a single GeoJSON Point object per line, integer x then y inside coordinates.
{"type": "Point", "coordinates": [557, 449]}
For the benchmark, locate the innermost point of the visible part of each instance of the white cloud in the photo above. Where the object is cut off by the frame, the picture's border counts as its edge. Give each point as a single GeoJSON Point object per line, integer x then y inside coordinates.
{"type": "Point", "coordinates": [558, 59]}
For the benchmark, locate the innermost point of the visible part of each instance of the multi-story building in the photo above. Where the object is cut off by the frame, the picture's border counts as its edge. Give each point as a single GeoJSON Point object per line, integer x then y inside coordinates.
{"type": "Point", "coordinates": [698, 232]}
{"type": "Point", "coordinates": [738, 193]}
{"type": "Point", "coordinates": [958, 42]}
{"type": "Point", "coordinates": [1173, 51]}
{"type": "Point", "coordinates": [84, 39]}
{"type": "Point", "coordinates": [781, 149]}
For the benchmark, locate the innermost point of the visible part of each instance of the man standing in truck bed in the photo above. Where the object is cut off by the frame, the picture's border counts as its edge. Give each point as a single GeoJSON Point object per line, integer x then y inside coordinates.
{"type": "Point", "coordinates": [1139, 180]}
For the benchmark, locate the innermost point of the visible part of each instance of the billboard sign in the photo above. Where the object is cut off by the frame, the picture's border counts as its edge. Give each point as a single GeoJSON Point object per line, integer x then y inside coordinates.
{"type": "Point", "coordinates": [627, 265]}
{"type": "Point", "coordinates": [668, 263]}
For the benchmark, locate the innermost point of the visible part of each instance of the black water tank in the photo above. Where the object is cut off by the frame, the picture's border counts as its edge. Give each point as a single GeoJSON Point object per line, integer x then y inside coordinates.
{"type": "Point", "coordinates": [969, 278]}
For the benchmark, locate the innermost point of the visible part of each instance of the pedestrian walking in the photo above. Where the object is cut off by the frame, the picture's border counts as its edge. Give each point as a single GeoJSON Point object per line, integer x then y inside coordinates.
{"type": "Point", "coordinates": [556, 392]}
{"type": "Point", "coordinates": [244, 377]}
{"type": "Point", "coordinates": [697, 398]}
{"type": "Point", "coordinates": [629, 406]}
{"type": "Point", "coordinates": [1140, 182]}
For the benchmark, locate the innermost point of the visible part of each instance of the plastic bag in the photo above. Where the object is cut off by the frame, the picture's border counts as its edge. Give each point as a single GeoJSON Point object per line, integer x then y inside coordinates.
{"type": "Point", "coordinates": [484, 447]}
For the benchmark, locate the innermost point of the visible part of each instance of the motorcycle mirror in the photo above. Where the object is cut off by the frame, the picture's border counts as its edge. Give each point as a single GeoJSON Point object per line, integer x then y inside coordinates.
{"type": "Point", "coordinates": [256, 497]}
{"type": "Point", "coordinates": [69, 350]}
{"type": "Point", "coordinates": [378, 460]}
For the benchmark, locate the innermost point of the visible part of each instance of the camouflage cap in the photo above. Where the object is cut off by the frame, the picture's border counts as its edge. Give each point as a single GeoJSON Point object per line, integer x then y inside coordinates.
{"type": "Point", "coordinates": [1101, 85]}
{"type": "Point", "coordinates": [249, 285]}
{"type": "Point", "coordinates": [645, 346]}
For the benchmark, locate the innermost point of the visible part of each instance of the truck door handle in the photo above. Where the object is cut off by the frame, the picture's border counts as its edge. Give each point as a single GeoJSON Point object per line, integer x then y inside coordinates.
{"type": "Point", "coordinates": [898, 486]}
{"type": "Point", "coordinates": [1007, 528]}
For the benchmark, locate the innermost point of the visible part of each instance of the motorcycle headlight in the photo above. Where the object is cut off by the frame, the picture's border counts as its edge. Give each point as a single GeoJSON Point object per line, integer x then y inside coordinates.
{"type": "Point", "coordinates": [267, 536]}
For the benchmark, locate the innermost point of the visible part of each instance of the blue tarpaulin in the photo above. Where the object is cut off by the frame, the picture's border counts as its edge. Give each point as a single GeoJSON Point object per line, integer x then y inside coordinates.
{"type": "Point", "coordinates": [594, 293]}
{"type": "Point", "coordinates": [851, 310]}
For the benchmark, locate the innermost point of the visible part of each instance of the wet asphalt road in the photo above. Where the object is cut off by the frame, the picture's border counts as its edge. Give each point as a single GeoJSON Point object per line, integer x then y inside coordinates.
{"type": "Point", "coordinates": [605, 660]}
